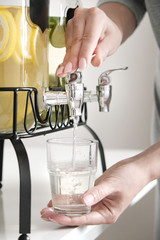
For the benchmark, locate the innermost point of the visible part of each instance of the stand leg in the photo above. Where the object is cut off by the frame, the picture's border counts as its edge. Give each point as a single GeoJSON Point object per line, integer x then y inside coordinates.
{"type": "Point", "coordinates": [1, 160]}
{"type": "Point", "coordinates": [24, 237]}
{"type": "Point", "coordinates": [25, 189]}
{"type": "Point", "coordinates": [100, 147]}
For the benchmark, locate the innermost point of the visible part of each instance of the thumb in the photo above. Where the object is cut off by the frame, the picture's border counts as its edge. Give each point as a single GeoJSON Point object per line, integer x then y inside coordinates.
{"type": "Point", "coordinates": [96, 194]}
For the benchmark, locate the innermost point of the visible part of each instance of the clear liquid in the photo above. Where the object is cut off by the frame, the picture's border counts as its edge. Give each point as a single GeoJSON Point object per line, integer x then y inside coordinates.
{"type": "Point", "coordinates": [67, 187]}
{"type": "Point", "coordinates": [75, 125]}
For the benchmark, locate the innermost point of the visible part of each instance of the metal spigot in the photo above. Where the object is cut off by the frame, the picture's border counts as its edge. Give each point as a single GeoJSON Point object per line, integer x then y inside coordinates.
{"type": "Point", "coordinates": [104, 89]}
{"type": "Point", "coordinates": [75, 93]}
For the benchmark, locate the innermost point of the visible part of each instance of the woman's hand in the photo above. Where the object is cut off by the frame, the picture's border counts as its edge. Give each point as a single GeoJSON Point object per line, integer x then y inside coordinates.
{"type": "Point", "coordinates": [91, 36]}
{"type": "Point", "coordinates": [112, 194]}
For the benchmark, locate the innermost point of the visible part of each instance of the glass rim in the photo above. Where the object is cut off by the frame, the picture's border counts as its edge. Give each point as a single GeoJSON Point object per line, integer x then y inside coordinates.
{"type": "Point", "coordinates": [70, 140]}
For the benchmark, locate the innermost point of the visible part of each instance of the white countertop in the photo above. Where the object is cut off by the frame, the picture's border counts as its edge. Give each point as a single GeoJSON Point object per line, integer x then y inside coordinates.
{"type": "Point", "coordinates": [41, 230]}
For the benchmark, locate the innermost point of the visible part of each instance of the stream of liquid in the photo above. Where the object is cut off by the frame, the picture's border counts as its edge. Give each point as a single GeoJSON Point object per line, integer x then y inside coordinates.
{"type": "Point", "coordinates": [75, 125]}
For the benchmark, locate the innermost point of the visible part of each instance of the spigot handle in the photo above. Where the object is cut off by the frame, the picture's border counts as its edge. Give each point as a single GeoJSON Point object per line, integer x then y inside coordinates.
{"type": "Point", "coordinates": [104, 89]}
{"type": "Point", "coordinates": [104, 78]}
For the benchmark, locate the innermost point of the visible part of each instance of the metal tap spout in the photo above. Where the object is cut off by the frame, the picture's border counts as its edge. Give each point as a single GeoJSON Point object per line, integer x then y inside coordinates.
{"type": "Point", "coordinates": [75, 93]}
{"type": "Point", "coordinates": [104, 89]}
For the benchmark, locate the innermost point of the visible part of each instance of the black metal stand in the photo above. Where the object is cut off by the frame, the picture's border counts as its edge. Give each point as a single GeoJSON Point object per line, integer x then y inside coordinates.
{"type": "Point", "coordinates": [38, 129]}
{"type": "Point", "coordinates": [25, 188]}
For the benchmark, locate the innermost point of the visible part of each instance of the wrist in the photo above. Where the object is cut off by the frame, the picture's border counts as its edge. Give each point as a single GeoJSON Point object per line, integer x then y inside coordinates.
{"type": "Point", "coordinates": [148, 163]}
{"type": "Point", "coordinates": [122, 16]}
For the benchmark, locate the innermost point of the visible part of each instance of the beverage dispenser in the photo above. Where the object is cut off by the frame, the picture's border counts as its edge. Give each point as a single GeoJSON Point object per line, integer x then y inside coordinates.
{"type": "Point", "coordinates": [23, 56]}
{"type": "Point", "coordinates": [32, 46]}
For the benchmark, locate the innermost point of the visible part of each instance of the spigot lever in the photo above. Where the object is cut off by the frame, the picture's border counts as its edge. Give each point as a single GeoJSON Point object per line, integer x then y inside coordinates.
{"type": "Point", "coordinates": [104, 78]}
{"type": "Point", "coordinates": [104, 89]}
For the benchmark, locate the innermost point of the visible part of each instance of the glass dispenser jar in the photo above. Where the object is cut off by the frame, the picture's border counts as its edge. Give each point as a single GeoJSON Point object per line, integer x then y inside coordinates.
{"type": "Point", "coordinates": [23, 56]}
{"type": "Point", "coordinates": [28, 29]}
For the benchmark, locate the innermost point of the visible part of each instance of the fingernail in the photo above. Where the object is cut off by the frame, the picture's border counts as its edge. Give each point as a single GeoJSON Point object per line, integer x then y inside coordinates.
{"type": "Point", "coordinates": [99, 61]}
{"type": "Point", "coordinates": [68, 67]}
{"type": "Point", "coordinates": [63, 75]}
{"type": "Point", "coordinates": [82, 64]}
{"type": "Point", "coordinates": [49, 204]}
{"type": "Point", "coordinates": [60, 70]}
{"type": "Point", "coordinates": [88, 199]}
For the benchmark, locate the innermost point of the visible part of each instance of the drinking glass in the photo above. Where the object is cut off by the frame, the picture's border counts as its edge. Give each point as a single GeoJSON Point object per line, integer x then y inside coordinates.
{"type": "Point", "coordinates": [72, 165]}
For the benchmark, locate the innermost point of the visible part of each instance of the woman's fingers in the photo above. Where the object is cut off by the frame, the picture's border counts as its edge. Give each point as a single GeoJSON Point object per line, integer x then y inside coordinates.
{"type": "Point", "coordinates": [98, 193]}
{"type": "Point", "coordinates": [96, 217]}
{"type": "Point", "coordinates": [94, 197]}
{"type": "Point", "coordinates": [93, 32]}
{"type": "Point", "coordinates": [74, 42]}
{"type": "Point", "coordinates": [73, 36]}
{"type": "Point", "coordinates": [90, 37]}
{"type": "Point", "coordinates": [46, 210]}
{"type": "Point", "coordinates": [83, 33]}
{"type": "Point", "coordinates": [49, 204]}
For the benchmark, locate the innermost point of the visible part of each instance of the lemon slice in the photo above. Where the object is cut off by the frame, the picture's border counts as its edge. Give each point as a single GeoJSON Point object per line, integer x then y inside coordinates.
{"type": "Point", "coordinates": [57, 36]}
{"type": "Point", "coordinates": [17, 56]}
{"type": "Point", "coordinates": [37, 47]}
{"type": "Point", "coordinates": [3, 7]}
{"type": "Point", "coordinates": [24, 30]}
{"type": "Point", "coordinates": [4, 31]}
{"type": "Point", "coordinates": [10, 46]}
{"type": "Point", "coordinates": [30, 46]}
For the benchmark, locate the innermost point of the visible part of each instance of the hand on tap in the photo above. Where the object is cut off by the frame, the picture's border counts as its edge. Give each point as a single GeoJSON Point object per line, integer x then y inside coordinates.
{"type": "Point", "coordinates": [91, 36]}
